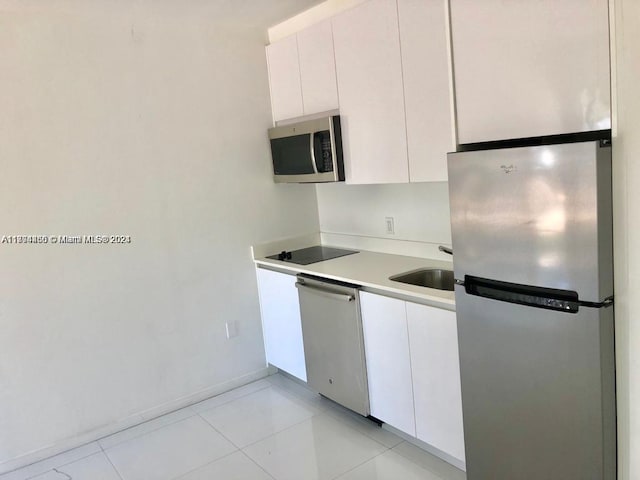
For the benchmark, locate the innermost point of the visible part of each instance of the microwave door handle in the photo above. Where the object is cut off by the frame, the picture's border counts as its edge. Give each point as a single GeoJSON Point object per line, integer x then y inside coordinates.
{"type": "Point", "coordinates": [313, 152]}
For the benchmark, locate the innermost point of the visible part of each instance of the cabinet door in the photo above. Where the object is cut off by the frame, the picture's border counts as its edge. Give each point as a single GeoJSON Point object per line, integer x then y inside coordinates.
{"type": "Point", "coordinates": [317, 68]}
{"type": "Point", "coordinates": [370, 92]}
{"type": "Point", "coordinates": [435, 365]}
{"type": "Point", "coordinates": [427, 88]}
{"type": "Point", "coordinates": [284, 78]}
{"type": "Point", "coordinates": [386, 343]}
{"type": "Point", "coordinates": [281, 323]}
{"type": "Point", "coordinates": [525, 69]}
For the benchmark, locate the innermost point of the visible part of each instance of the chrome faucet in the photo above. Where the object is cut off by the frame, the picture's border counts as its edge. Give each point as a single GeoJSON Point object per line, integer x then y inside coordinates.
{"type": "Point", "coordinates": [444, 249]}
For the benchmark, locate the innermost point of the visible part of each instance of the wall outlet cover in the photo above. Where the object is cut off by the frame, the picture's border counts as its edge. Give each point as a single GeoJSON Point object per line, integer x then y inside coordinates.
{"type": "Point", "coordinates": [389, 225]}
{"type": "Point", "coordinates": [232, 329]}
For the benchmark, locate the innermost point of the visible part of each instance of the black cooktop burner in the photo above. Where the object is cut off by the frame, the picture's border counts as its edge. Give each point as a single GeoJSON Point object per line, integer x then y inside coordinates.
{"type": "Point", "coordinates": [307, 256]}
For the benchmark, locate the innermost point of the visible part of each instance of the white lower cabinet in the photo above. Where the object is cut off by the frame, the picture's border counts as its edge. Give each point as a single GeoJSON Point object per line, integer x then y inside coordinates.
{"type": "Point", "coordinates": [281, 323]}
{"type": "Point", "coordinates": [411, 352]}
{"type": "Point", "coordinates": [413, 370]}
{"type": "Point", "coordinates": [386, 343]}
{"type": "Point", "coordinates": [433, 339]}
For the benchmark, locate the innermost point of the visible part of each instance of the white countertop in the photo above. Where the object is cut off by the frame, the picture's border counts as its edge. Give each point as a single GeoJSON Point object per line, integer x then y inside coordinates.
{"type": "Point", "coordinates": [372, 270]}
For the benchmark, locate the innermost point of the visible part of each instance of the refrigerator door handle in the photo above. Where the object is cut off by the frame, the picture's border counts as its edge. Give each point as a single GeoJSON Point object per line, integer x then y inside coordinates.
{"type": "Point", "coordinates": [529, 295]}
{"type": "Point", "coordinates": [607, 302]}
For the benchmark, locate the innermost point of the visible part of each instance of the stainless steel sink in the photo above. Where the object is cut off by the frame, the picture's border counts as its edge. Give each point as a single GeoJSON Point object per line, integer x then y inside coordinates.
{"type": "Point", "coordinates": [427, 277]}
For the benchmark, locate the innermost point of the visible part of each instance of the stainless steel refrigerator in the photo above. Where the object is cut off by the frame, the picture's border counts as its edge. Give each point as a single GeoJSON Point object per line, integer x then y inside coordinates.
{"type": "Point", "coordinates": [532, 244]}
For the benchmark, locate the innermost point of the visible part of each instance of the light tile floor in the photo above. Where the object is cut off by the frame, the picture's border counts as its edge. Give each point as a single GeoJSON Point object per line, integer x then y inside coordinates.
{"type": "Point", "coordinates": [271, 429]}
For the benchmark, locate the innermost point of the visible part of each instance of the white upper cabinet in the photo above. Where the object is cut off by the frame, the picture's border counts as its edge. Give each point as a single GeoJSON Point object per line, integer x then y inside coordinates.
{"type": "Point", "coordinates": [302, 73]}
{"type": "Point", "coordinates": [386, 344]}
{"type": "Point", "coordinates": [370, 90]}
{"type": "Point", "coordinates": [317, 68]}
{"type": "Point", "coordinates": [284, 78]}
{"type": "Point", "coordinates": [433, 338]}
{"type": "Point", "coordinates": [385, 66]}
{"type": "Point", "coordinates": [530, 68]}
{"type": "Point", "coordinates": [281, 322]}
{"type": "Point", "coordinates": [427, 90]}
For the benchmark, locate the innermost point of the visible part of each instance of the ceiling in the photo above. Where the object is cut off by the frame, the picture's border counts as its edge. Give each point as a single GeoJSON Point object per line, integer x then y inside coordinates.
{"type": "Point", "coordinates": [242, 13]}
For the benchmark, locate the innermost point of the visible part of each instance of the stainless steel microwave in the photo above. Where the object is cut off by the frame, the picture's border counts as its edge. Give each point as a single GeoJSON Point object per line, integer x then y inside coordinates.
{"type": "Point", "coordinates": [307, 152]}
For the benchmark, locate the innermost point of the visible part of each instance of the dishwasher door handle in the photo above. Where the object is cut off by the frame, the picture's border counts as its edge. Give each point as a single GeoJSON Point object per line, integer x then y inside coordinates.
{"type": "Point", "coordinates": [326, 293]}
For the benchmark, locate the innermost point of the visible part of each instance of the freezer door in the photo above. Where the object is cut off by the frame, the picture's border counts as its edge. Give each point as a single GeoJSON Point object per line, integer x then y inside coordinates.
{"type": "Point", "coordinates": [535, 216]}
{"type": "Point", "coordinates": [537, 390]}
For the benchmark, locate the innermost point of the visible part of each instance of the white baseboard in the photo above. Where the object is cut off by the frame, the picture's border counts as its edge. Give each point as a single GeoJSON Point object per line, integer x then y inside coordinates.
{"type": "Point", "coordinates": [130, 421]}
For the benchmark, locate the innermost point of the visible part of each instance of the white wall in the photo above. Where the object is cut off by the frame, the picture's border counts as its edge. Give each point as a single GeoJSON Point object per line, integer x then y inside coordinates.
{"type": "Point", "coordinates": [146, 119]}
{"type": "Point", "coordinates": [626, 165]}
{"type": "Point", "coordinates": [420, 212]}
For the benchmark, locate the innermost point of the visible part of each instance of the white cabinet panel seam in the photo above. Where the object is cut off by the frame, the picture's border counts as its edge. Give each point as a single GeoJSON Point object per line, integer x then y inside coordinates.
{"type": "Point", "coordinates": [300, 75]}
{"type": "Point", "coordinates": [404, 92]}
{"type": "Point", "coordinates": [451, 72]}
{"type": "Point", "coordinates": [406, 319]}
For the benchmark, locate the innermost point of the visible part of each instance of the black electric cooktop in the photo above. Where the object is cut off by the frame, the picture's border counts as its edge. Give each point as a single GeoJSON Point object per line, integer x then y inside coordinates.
{"type": "Point", "coordinates": [307, 256]}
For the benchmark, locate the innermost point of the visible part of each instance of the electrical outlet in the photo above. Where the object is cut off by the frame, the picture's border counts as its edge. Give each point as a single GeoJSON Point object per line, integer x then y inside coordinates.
{"type": "Point", "coordinates": [389, 224]}
{"type": "Point", "coordinates": [232, 329]}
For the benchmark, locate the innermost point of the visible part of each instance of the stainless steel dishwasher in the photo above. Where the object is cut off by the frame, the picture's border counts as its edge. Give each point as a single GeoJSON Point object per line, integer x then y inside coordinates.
{"type": "Point", "coordinates": [333, 341]}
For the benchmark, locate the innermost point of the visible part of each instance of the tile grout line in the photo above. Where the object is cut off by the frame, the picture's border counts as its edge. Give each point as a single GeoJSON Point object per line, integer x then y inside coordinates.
{"type": "Point", "coordinates": [104, 452]}
{"type": "Point", "coordinates": [301, 397]}
{"type": "Point", "coordinates": [193, 414]}
{"type": "Point", "coordinates": [219, 432]}
{"type": "Point", "coordinates": [363, 433]}
{"type": "Point", "coordinates": [283, 430]}
{"type": "Point", "coordinates": [188, 407]}
{"type": "Point", "coordinates": [50, 469]}
{"type": "Point", "coordinates": [237, 449]}
{"type": "Point", "coordinates": [391, 449]}
{"type": "Point", "coordinates": [257, 441]}
{"type": "Point", "coordinates": [446, 465]}
{"type": "Point", "coordinates": [232, 400]}
{"type": "Point", "coordinates": [182, 475]}
{"type": "Point", "coordinates": [242, 449]}
{"type": "Point", "coordinates": [329, 411]}
{"type": "Point", "coordinates": [317, 412]}
{"type": "Point", "coordinates": [60, 472]}
{"type": "Point", "coordinates": [330, 408]}
{"type": "Point", "coordinates": [359, 465]}
{"type": "Point", "coordinates": [257, 464]}
{"type": "Point", "coordinates": [320, 413]}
